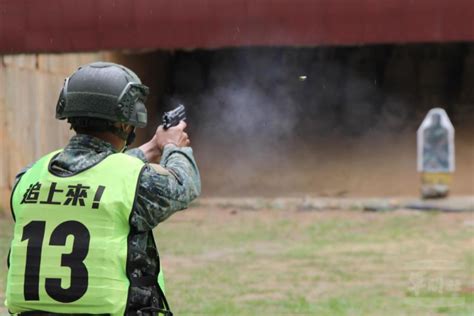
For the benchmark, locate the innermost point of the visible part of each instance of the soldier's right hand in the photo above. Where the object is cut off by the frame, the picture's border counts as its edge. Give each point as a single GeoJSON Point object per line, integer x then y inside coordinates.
{"type": "Point", "coordinates": [173, 135]}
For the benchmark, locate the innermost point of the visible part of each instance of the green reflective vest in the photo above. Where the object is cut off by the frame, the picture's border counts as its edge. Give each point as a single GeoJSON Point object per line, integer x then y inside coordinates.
{"type": "Point", "coordinates": [70, 243]}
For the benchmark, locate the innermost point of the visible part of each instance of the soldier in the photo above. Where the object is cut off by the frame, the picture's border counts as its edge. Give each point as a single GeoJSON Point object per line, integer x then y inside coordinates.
{"type": "Point", "coordinates": [83, 241]}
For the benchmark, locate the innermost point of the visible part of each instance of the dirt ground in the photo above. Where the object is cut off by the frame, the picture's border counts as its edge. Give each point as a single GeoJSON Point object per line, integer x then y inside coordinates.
{"type": "Point", "coordinates": [376, 164]}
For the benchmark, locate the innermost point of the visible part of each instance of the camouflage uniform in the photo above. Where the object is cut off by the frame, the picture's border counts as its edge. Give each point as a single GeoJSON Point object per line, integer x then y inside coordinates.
{"type": "Point", "coordinates": [161, 192]}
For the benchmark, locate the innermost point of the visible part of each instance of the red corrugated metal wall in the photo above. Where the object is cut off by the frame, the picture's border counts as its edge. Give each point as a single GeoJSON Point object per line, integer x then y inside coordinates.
{"type": "Point", "coordinates": [90, 25]}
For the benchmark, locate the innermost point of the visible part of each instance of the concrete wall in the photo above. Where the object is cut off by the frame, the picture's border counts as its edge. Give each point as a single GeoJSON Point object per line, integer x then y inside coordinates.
{"type": "Point", "coordinates": [29, 88]}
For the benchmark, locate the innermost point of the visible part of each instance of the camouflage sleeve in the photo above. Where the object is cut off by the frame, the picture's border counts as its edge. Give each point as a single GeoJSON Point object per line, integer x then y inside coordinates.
{"type": "Point", "coordinates": [165, 188]}
{"type": "Point", "coordinates": [136, 152]}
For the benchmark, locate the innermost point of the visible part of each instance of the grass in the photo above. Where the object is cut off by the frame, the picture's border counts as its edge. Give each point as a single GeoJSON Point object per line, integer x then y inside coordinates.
{"type": "Point", "coordinates": [227, 262]}
{"type": "Point", "coordinates": [316, 263]}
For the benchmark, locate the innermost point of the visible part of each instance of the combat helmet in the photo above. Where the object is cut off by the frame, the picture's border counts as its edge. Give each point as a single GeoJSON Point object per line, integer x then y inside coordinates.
{"type": "Point", "coordinates": [99, 94]}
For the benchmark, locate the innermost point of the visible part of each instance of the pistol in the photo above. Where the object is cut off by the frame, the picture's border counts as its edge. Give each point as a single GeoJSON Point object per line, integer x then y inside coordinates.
{"type": "Point", "coordinates": [173, 117]}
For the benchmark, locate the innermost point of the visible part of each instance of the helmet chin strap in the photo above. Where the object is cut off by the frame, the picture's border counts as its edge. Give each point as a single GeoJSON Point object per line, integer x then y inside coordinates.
{"type": "Point", "coordinates": [130, 139]}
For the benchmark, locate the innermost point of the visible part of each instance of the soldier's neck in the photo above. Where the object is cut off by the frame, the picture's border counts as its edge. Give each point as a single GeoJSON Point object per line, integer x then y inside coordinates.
{"type": "Point", "coordinates": [111, 138]}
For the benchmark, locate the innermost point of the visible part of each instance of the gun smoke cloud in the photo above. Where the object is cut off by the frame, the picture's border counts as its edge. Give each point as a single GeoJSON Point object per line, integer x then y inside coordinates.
{"type": "Point", "coordinates": [254, 111]}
